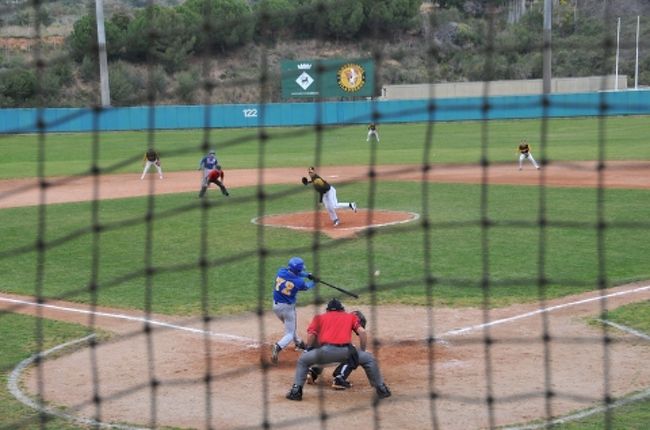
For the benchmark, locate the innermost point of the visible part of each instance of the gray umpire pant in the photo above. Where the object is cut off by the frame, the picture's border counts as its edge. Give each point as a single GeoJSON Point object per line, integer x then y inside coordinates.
{"type": "Point", "coordinates": [336, 354]}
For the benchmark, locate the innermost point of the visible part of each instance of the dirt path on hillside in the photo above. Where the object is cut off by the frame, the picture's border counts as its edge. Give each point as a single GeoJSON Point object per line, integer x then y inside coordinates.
{"type": "Point", "coordinates": [234, 351]}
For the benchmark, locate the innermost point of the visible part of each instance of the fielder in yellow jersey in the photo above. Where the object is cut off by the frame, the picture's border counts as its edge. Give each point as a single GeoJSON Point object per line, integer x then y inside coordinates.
{"type": "Point", "coordinates": [524, 153]}
{"type": "Point", "coordinates": [327, 195]}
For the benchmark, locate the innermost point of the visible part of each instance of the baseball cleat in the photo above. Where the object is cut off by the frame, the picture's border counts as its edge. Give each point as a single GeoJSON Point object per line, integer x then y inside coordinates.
{"type": "Point", "coordinates": [340, 384]}
{"type": "Point", "coordinates": [301, 345]}
{"type": "Point", "coordinates": [353, 206]}
{"type": "Point", "coordinates": [336, 222]}
{"type": "Point", "coordinates": [312, 376]}
{"type": "Point", "coordinates": [274, 353]}
{"type": "Point", "coordinates": [383, 391]}
{"type": "Point", "coordinates": [295, 393]}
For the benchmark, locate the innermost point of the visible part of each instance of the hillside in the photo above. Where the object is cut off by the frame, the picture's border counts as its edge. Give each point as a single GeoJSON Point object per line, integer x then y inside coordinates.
{"type": "Point", "coordinates": [443, 42]}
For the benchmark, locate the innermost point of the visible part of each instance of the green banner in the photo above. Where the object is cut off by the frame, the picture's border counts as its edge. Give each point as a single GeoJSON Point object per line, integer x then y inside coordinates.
{"type": "Point", "coordinates": [328, 78]}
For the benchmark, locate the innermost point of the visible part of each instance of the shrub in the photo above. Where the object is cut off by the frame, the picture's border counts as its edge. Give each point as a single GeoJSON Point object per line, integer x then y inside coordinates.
{"type": "Point", "coordinates": [187, 86]}
{"type": "Point", "coordinates": [17, 86]}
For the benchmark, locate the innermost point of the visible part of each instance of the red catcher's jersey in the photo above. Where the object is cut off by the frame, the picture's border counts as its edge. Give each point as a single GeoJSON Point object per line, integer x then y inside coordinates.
{"type": "Point", "coordinates": [334, 327]}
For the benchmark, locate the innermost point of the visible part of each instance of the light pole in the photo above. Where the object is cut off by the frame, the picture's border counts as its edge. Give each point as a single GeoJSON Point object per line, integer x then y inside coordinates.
{"type": "Point", "coordinates": [546, 58]}
{"type": "Point", "coordinates": [103, 61]}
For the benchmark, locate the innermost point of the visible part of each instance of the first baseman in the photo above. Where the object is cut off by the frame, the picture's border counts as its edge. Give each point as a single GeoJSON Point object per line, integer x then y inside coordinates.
{"type": "Point", "coordinates": [151, 158]}
{"type": "Point", "coordinates": [524, 152]}
{"type": "Point", "coordinates": [288, 281]}
{"type": "Point", "coordinates": [327, 195]}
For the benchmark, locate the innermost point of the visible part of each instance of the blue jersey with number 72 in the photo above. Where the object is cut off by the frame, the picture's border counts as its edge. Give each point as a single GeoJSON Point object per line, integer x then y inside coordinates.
{"type": "Point", "coordinates": [287, 285]}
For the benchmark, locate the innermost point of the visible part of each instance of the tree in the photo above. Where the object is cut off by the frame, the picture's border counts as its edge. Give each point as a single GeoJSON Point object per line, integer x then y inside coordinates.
{"type": "Point", "coordinates": [385, 18]}
{"type": "Point", "coordinates": [83, 39]}
{"type": "Point", "coordinates": [344, 18]}
{"type": "Point", "coordinates": [273, 18]}
{"type": "Point", "coordinates": [219, 24]}
{"type": "Point", "coordinates": [161, 35]}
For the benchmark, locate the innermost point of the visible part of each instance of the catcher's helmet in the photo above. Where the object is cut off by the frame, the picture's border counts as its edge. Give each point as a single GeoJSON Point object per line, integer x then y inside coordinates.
{"type": "Point", "coordinates": [296, 265]}
{"type": "Point", "coordinates": [334, 305]}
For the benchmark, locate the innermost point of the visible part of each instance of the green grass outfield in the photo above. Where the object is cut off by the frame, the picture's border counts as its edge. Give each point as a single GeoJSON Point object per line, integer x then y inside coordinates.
{"type": "Point", "coordinates": [237, 279]}
{"type": "Point", "coordinates": [622, 138]}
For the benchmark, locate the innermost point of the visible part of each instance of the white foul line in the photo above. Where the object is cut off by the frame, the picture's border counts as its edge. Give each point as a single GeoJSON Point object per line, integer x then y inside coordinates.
{"type": "Point", "coordinates": [541, 310]}
{"type": "Point", "coordinates": [14, 389]}
{"type": "Point", "coordinates": [231, 337]}
{"type": "Point", "coordinates": [13, 380]}
{"type": "Point", "coordinates": [626, 329]}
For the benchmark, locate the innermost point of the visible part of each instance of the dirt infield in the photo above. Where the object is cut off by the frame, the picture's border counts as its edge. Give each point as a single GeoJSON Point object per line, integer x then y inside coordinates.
{"type": "Point", "coordinates": [620, 174]}
{"type": "Point", "coordinates": [244, 392]}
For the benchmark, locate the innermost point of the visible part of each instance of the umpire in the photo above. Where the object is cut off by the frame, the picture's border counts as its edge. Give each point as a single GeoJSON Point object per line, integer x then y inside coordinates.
{"type": "Point", "coordinates": [333, 332]}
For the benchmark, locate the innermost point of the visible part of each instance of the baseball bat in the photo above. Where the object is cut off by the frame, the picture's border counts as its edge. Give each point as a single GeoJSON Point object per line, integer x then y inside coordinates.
{"type": "Point", "coordinates": [356, 296]}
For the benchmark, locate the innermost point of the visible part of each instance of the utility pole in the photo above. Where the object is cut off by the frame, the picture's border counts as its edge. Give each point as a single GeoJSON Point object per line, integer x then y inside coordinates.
{"type": "Point", "coordinates": [546, 58]}
{"type": "Point", "coordinates": [618, 34]}
{"type": "Point", "coordinates": [103, 61]}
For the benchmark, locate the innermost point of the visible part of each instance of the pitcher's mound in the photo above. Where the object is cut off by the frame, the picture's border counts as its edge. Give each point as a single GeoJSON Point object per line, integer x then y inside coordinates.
{"type": "Point", "coordinates": [350, 223]}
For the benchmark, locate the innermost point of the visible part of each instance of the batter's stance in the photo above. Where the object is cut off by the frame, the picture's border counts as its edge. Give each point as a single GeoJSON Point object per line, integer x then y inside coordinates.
{"type": "Point", "coordinates": [288, 281]}
{"type": "Point", "coordinates": [327, 195]}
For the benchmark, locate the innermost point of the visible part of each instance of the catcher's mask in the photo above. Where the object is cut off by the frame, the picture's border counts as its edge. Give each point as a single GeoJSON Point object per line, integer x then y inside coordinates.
{"type": "Point", "coordinates": [296, 265]}
{"type": "Point", "coordinates": [334, 305]}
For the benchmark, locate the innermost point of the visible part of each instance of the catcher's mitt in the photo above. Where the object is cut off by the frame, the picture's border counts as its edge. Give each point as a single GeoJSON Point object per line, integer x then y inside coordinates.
{"type": "Point", "coordinates": [362, 318]}
{"type": "Point", "coordinates": [305, 181]}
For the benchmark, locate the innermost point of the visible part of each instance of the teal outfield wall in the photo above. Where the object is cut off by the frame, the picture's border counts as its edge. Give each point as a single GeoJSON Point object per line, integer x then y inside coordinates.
{"type": "Point", "coordinates": [326, 113]}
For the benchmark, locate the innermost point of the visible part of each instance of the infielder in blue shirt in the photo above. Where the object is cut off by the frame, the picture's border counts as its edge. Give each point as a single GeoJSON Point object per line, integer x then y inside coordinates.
{"type": "Point", "coordinates": [208, 163]}
{"type": "Point", "coordinates": [288, 281]}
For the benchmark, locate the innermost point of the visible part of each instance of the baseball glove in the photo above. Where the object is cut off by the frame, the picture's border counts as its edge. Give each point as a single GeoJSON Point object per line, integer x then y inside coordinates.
{"type": "Point", "coordinates": [158, 163]}
{"type": "Point", "coordinates": [305, 181]}
{"type": "Point", "coordinates": [362, 318]}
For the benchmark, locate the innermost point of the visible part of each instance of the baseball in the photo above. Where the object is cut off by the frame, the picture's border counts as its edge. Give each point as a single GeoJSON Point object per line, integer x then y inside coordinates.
{"type": "Point", "coordinates": [377, 272]}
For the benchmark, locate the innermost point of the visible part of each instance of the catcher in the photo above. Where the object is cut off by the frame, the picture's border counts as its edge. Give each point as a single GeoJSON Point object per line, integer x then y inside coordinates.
{"type": "Point", "coordinates": [344, 369]}
{"type": "Point", "coordinates": [332, 331]}
{"type": "Point", "coordinates": [524, 153]}
{"type": "Point", "coordinates": [151, 158]}
{"type": "Point", "coordinates": [214, 176]}
{"type": "Point", "coordinates": [327, 195]}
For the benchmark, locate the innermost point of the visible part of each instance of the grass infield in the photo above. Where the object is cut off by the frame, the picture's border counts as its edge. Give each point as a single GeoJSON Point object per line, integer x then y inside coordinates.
{"type": "Point", "coordinates": [180, 228]}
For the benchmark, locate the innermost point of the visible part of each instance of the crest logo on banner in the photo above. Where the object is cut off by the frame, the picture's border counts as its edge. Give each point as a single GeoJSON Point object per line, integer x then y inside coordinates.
{"type": "Point", "coordinates": [351, 77]}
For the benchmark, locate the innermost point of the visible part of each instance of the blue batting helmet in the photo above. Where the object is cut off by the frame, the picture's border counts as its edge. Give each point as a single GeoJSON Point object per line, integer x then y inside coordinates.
{"type": "Point", "coordinates": [296, 265]}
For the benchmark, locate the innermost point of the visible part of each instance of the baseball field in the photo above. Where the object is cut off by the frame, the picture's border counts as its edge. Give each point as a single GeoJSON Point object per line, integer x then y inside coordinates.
{"type": "Point", "coordinates": [501, 298]}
